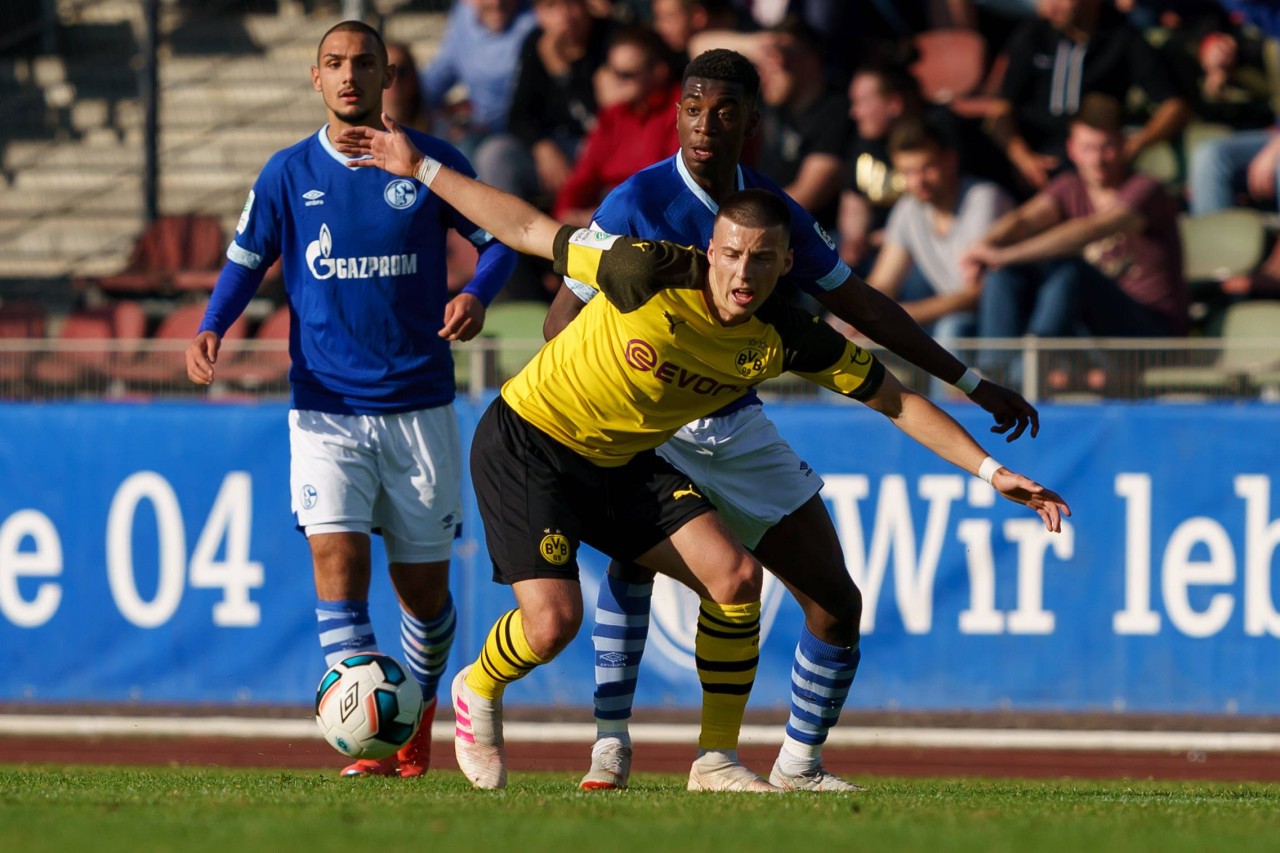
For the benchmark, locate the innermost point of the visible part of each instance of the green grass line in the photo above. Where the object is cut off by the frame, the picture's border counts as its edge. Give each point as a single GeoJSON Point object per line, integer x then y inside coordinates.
{"type": "Point", "coordinates": [97, 808]}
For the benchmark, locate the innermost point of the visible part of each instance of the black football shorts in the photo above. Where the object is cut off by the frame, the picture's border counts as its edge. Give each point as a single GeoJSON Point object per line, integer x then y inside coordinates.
{"type": "Point", "coordinates": [539, 499]}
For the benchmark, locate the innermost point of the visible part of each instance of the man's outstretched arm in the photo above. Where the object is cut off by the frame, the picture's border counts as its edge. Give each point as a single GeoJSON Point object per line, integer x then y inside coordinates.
{"type": "Point", "coordinates": [920, 419]}
{"type": "Point", "coordinates": [509, 218]}
{"type": "Point", "coordinates": [884, 321]}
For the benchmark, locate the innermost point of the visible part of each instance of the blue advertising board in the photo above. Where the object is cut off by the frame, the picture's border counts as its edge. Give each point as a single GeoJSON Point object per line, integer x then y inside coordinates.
{"type": "Point", "coordinates": [148, 554]}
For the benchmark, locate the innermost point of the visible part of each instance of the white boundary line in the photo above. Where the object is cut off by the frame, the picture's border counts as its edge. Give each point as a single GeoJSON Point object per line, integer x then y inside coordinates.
{"type": "Point", "coordinates": [30, 725]}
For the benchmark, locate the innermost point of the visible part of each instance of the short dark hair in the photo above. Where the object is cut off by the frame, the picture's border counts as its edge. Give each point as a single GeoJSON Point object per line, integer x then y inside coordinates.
{"type": "Point", "coordinates": [918, 134]}
{"type": "Point", "coordinates": [895, 80]}
{"type": "Point", "coordinates": [727, 66]}
{"type": "Point", "coordinates": [354, 27]}
{"type": "Point", "coordinates": [798, 28]}
{"type": "Point", "coordinates": [756, 208]}
{"type": "Point", "coordinates": [1100, 112]}
{"type": "Point", "coordinates": [645, 40]}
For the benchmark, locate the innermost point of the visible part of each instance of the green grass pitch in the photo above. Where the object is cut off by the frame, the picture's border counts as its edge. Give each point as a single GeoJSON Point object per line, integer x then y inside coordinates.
{"type": "Point", "coordinates": [99, 809]}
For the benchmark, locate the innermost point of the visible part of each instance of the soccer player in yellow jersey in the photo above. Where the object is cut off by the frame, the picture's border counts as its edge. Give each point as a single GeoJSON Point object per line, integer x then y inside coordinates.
{"type": "Point", "coordinates": [566, 453]}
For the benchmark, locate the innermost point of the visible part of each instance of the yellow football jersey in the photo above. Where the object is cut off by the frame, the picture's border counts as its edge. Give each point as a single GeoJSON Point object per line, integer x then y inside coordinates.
{"type": "Point", "coordinates": [650, 356]}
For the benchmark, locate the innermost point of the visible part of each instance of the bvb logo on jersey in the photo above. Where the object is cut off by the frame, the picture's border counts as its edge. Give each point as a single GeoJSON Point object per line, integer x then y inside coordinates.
{"type": "Point", "coordinates": [750, 361]}
{"type": "Point", "coordinates": [554, 548]}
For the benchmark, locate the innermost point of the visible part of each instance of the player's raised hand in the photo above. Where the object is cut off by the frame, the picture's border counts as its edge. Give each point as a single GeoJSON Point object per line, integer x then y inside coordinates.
{"type": "Point", "coordinates": [202, 355]}
{"type": "Point", "coordinates": [391, 150]}
{"type": "Point", "coordinates": [1047, 503]}
{"type": "Point", "coordinates": [463, 318]}
{"type": "Point", "coordinates": [1010, 410]}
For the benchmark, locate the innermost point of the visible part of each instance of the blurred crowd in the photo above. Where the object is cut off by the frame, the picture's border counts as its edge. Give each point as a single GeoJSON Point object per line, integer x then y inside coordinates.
{"type": "Point", "coordinates": [979, 160]}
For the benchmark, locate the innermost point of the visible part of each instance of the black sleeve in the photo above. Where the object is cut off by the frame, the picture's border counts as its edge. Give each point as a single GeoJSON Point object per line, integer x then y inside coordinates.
{"type": "Point", "coordinates": [1148, 71]}
{"type": "Point", "coordinates": [810, 346]}
{"type": "Point", "coordinates": [627, 270]}
{"type": "Point", "coordinates": [1015, 86]}
{"type": "Point", "coordinates": [524, 116]}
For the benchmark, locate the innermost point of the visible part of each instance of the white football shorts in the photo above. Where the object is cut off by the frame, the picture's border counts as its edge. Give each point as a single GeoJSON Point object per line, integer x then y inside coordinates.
{"type": "Point", "coordinates": [397, 474]}
{"type": "Point", "coordinates": [745, 468]}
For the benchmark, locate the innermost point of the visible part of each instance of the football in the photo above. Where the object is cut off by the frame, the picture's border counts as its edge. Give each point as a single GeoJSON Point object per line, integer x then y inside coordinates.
{"type": "Point", "coordinates": [367, 706]}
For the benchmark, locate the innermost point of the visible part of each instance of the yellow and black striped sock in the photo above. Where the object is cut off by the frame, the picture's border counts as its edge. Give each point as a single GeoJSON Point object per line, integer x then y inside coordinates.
{"type": "Point", "coordinates": [506, 657]}
{"type": "Point", "coordinates": [727, 647]}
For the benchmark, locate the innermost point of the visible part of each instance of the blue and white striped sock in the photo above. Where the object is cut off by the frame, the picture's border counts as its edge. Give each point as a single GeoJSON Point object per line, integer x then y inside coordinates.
{"type": "Point", "coordinates": [820, 679]}
{"type": "Point", "coordinates": [426, 646]}
{"type": "Point", "coordinates": [344, 629]}
{"type": "Point", "coordinates": [621, 629]}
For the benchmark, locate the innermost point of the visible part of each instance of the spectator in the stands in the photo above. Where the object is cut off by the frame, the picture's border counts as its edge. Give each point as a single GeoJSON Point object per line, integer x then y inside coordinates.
{"type": "Point", "coordinates": [1242, 165]}
{"type": "Point", "coordinates": [554, 103]}
{"type": "Point", "coordinates": [677, 21]}
{"type": "Point", "coordinates": [1074, 48]}
{"type": "Point", "coordinates": [941, 214]}
{"type": "Point", "coordinates": [402, 100]}
{"type": "Point", "coordinates": [879, 97]}
{"type": "Point", "coordinates": [629, 135]}
{"type": "Point", "coordinates": [804, 125]}
{"type": "Point", "coordinates": [481, 43]}
{"type": "Point", "coordinates": [1096, 252]}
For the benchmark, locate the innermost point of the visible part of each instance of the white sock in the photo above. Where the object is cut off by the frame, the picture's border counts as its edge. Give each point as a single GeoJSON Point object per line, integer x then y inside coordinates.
{"type": "Point", "coordinates": [728, 756]}
{"type": "Point", "coordinates": [617, 730]}
{"type": "Point", "coordinates": [605, 742]}
{"type": "Point", "coordinates": [796, 758]}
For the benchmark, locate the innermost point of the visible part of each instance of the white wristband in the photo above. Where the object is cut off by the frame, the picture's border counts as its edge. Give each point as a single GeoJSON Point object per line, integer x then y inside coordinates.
{"type": "Point", "coordinates": [968, 381]}
{"type": "Point", "coordinates": [988, 469]}
{"type": "Point", "coordinates": [427, 170]}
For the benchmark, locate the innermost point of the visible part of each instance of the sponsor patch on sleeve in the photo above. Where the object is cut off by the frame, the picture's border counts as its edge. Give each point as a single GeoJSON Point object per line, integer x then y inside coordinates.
{"type": "Point", "coordinates": [244, 214]}
{"type": "Point", "coordinates": [592, 239]}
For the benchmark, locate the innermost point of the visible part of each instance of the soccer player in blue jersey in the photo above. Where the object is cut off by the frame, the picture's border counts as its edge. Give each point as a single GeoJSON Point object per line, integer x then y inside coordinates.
{"type": "Point", "coordinates": [785, 525]}
{"type": "Point", "coordinates": [373, 437]}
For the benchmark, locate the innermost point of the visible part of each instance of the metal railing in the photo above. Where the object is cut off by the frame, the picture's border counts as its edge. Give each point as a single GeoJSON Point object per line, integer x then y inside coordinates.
{"type": "Point", "coordinates": [1044, 370]}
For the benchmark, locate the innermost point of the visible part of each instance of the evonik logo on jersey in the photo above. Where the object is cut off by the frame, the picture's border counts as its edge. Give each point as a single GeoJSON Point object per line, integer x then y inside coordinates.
{"type": "Point", "coordinates": [323, 264]}
{"type": "Point", "coordinates": [642, 356]}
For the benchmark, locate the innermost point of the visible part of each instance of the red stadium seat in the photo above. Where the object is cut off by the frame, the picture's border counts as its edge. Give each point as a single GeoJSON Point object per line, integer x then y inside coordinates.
{"type": "Point", "coordinates": [22, 320]}
{"type": "Point", "coordinates": [76, 362]}
{"type": "Point", "coordinates": [951, 63]}
{"type": "Point", "coordinates": [252, 370]}
{"type": "Point", "coordinates": [18, 321]}
{"type": "Point", "coordinates": [182, 252]}
{"type": "Point", "coordinates": [154, 369]}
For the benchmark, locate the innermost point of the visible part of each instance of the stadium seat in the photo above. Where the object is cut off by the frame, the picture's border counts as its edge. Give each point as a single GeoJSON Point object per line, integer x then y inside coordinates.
{"type": "Point", "coordinates": [1222, 244]}
{"type": "Point", "coordinates": [175, 253]}
{"type": "Point", "coordinates": [517, 325]}
{"type": "Point", "coordinates": [980, 104]}
{"type": "Point", "coordinates": [950, 65]}
{"type": "Point", "coordinates": [164, 367]}
{"type": "Point", "coordinates": [1250, 355]}
{"type": "Point", "coordinates": [22, 320]}
{"type": "Point", "coordinates": [89, 345]}
{"type": "Point", "coordinates": [19, 321]}
{"type": "Point", "coordinates": [1199, 132]}
{"type": "Point", "coordinates": [252, 370]}
{"type": "Point", "coordinates": [1160, 161]}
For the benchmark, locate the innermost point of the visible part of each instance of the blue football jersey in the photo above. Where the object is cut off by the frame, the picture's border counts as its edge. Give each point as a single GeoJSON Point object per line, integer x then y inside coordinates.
{"type": "Point", "coordinates": [363, 256]}
{"type": "Point", "coordinates": [663, 202]}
